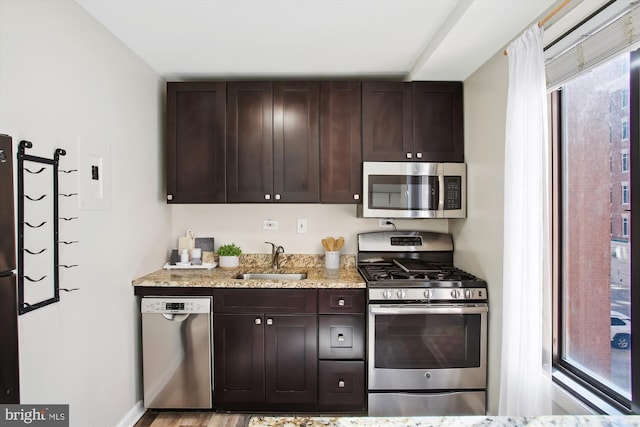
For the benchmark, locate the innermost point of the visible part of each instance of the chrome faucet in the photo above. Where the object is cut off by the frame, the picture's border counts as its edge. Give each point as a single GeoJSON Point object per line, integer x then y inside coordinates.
{"type": "Point", "coordinates": [275, 254]}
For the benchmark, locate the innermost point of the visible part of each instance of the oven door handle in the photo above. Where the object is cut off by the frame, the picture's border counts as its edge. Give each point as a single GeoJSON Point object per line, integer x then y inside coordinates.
{"type": "Point", "coordinates": [427, 309]}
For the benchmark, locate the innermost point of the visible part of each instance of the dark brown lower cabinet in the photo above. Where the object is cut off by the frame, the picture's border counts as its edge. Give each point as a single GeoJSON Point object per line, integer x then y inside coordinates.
{"type": "Point", "coordinates": [239, 358]}
{"type": "Point", "coordinates": [285, 350]}
{"type": "Point", "coordinates": [265, 361]}
{"type": "Point", "coordinates": [341, 384]}
{"type": "Point", "coordinates": [291, 355]}
{"type": "Point", "coordinates": [341, 350]}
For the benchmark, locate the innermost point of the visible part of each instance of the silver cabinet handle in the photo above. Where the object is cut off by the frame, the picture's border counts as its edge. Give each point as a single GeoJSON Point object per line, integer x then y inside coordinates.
{"type": "Point", "coordinates": [269, 321]}
{"type": "Point", "coordinates": [356, 197]}
{"type": "Point", "coordinates": [340, 383]}
{"type": "Point", "coordinates": [258, 321]}
{"type": "Point", "coordinates": [169, 196]}
{"type": "Point", "coordinates": [419, 155]}
{"type": "Point", "coordinates": [341, 302]}
{"type": "Point", "coordinates": [267, 196]}
{"type": "Point", "coordinates": [409, 155]}
{"type": "Point", "coordinates": [277, 197]}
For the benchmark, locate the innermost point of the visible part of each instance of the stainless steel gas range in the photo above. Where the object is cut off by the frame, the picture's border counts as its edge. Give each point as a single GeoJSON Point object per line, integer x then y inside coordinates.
{"type": "Point", "coordinates": [427, 327]}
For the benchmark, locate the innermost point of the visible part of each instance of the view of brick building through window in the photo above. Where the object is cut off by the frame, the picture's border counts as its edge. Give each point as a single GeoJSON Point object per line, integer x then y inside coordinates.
{"type": "Point", "coordinates": [596, 223]}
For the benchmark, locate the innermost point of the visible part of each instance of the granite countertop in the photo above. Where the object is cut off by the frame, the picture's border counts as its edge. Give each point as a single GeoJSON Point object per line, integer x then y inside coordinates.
{"type": "Point", "coordinates": [466, 421]}
{"type": "Point", "coordinates": [317, 276]}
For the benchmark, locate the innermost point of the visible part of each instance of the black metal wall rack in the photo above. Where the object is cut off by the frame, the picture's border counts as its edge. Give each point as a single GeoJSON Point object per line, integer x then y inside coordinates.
{"type": "Point", "coordinates": [35, 165]}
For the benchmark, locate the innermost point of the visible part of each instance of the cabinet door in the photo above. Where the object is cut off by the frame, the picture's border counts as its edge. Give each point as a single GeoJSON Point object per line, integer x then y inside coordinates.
{"type": "Point", "coordinates": [296, 142]}
{"type": "Point", "coordinates": [438, 128]}
{"type": "Point", "coordinates": [342, 301]}
{"type": "Point", "coordinates": [291, 359]}
{"type": "Point", "coordinates": [196, 142]}
{"type": "Point", "coordinates": [239, 358]}
{"type": "Point", "coordinates": [341, 336]}
{"type": "Point", "coordinates": [250, 142]}
{"type": "Point", "coordinates": [342, 385]}
{"type": "Point", "coordinates": [340, 142]}
{"type": "Point", "coordinates": [386, 121]}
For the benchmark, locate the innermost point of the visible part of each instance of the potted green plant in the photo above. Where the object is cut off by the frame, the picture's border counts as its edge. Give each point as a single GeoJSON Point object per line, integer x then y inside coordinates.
{"type": "Point", "coordinates": [229, 256]}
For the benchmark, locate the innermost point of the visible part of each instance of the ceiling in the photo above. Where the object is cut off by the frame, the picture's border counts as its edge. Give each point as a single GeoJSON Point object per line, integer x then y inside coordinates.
{"type": "Point", "coordinates": [390, 39]}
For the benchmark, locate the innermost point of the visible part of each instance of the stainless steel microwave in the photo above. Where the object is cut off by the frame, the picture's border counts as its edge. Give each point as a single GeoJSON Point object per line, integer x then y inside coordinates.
{"type": "Point", "coordinates": [413, 190]}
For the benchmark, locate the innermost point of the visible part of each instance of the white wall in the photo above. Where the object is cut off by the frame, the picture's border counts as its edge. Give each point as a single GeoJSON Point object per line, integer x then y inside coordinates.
{"type": "Point", "coordinates": [478, 238]}
{"type": "Point", "coordinates": [64, 78]}
{"type": "Point", "coordinates": [242, 224]}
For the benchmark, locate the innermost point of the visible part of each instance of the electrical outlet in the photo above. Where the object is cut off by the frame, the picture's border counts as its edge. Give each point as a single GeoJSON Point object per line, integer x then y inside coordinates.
{"type": "Point", "coordinates": [301, 226]}
{"type": "Point", "coordinates": [269, 224]}
{"type": "Point", "coordinates": [382, 223]}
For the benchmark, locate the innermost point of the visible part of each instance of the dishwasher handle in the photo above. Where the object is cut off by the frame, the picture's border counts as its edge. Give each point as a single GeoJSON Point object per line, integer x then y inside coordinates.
{"type": "Point", "coordinates": [172, 317]}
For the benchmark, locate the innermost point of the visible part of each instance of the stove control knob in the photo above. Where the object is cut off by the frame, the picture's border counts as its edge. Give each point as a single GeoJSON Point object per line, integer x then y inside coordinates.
{"type": "Point", "coordinates": [468, 294]}
{"type": "Point", "coordinates": [427, 294]}
{"type": "Point", "coordinates": [455, 293]}
{"type": "Point", "coordinates": [402, 293]}
{"type": "Point", "coordinates": [387, 294]}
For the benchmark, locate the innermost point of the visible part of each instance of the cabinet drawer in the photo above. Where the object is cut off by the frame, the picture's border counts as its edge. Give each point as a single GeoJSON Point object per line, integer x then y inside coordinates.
{"type": "Point", "coordinates": [341, 384]}
{"type": "Point", "coordinates": [341, 336]}
{"type": "Point", "coordinates": [282, 301]}
{"type": "Point", "coordinates": [337, 301]}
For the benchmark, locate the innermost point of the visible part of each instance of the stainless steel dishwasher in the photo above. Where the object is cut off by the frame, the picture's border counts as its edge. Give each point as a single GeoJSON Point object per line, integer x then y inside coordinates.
{"type": "Point", "coordinates": [176, 352]}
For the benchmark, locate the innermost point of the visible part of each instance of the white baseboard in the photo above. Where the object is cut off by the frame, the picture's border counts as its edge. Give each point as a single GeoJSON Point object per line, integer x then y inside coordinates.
{"type": "Point", "coordinates": [132, 417]}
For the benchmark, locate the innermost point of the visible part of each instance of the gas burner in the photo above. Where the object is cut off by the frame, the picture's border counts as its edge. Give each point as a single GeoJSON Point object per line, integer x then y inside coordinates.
{"type": "Point", "coordinates": [428, 276]}
{"type": "Point", "coordinates": [408, 273]}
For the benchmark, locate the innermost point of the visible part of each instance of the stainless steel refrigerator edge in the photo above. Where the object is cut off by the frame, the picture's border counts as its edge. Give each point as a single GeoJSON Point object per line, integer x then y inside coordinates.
{"type": "Point", "coordinates": [9, 361]}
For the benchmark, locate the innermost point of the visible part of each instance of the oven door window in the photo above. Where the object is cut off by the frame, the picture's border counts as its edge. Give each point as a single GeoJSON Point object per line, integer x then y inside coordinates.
{"type": "Point", "coordinates": [403, 192]}
{"type": "Point", "coordinates": [427, 341]}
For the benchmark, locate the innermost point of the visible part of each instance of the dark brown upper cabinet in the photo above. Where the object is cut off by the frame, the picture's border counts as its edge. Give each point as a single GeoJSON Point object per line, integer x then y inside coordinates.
{"type": "Point", "coordinates": [438, 128]}
{"type": "Point", "coordinates": [273, 142]}
{"type": "Point", "coordinates": [340, 142]}
{"type": "Point", "coordinates": [250, 141]}
{"type": "Point", "coordinates": [417, 121]}
{"type": "Point", "coordinates": [386, 121]}
{"type": "Point", "coordinates": [196, 141]}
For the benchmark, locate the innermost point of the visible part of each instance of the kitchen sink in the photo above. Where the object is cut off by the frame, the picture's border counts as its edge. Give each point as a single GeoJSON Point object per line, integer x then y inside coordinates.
{"type": "Point", "coordinates": [272, 276]}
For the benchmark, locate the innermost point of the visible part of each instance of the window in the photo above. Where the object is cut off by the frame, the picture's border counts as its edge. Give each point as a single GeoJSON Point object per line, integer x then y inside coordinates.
{"type": "Point", "coordinates": [610, 135]}
{"type": "Point", "coordinates": [625, 193]}
{"type": "Point", "coordinates": [624, 98]}
{"type": "Point", "coordinates": [611, 225]}
{"type": "Point", "coordinates": [593, 259]}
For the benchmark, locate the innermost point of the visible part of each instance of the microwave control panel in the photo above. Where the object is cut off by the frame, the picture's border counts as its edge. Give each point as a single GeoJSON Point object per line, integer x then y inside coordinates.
{"type": "Point", "coordinates": [452, 192]}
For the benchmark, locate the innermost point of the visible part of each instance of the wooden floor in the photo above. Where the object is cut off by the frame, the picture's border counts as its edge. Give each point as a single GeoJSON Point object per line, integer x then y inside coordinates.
{"type": "Point", "coordinates": [192, 419]}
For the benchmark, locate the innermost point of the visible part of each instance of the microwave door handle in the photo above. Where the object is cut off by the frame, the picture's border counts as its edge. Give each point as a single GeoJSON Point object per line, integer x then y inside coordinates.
{"type": "Point", "coordinates": [440, 195]}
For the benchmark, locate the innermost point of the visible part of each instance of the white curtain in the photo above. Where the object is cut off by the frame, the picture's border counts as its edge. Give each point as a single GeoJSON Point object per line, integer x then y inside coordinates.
{"type": "Point", "coordinates": [524, 387]}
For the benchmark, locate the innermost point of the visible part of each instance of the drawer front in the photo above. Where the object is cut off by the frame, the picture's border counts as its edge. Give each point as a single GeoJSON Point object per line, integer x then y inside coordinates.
{"type": "Point", "coordinates": [338, 301]}
{"type": "Point", "coordinates": [341, 336]}
{"type": "Point", "coordinates": [282, 301]}
{"type": "Point", "coordinates": [341, 383]}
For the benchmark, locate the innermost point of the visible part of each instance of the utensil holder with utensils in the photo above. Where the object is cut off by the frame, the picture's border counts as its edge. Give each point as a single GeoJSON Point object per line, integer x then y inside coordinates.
{"type": "Point", "coordinates": [332, 248]}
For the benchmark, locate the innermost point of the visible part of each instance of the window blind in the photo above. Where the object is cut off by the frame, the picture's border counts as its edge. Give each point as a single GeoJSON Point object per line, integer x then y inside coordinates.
{"type": "Point", "coordinates": [587, 47]}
